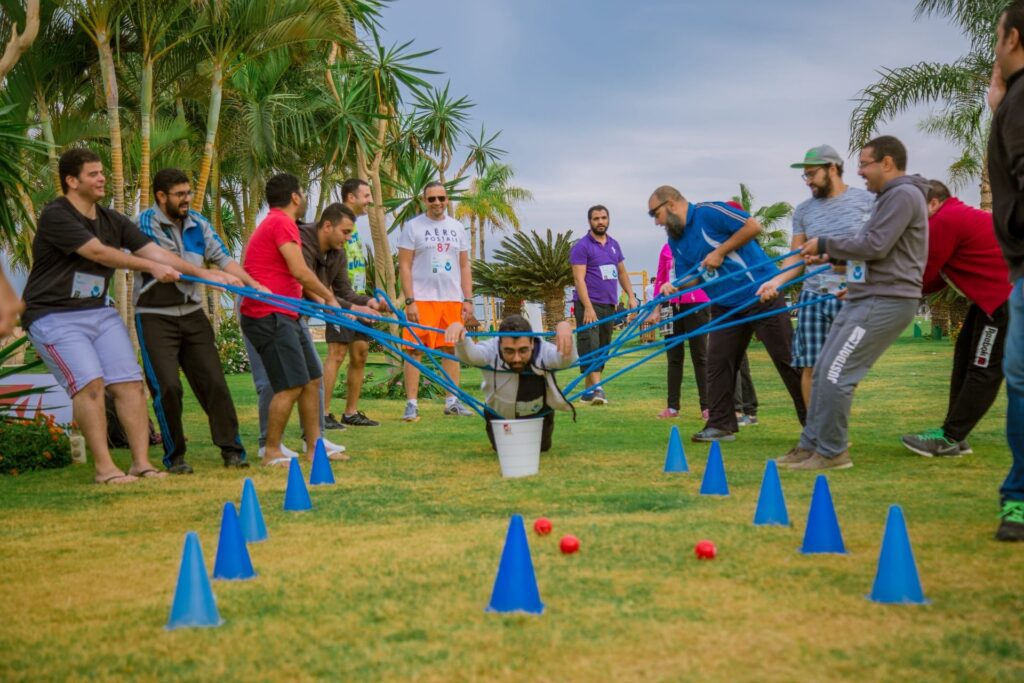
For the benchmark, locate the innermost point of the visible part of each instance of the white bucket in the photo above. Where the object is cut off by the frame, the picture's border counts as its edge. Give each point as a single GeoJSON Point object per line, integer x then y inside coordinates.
{"type": "Point", "coordinates": [518, 445]}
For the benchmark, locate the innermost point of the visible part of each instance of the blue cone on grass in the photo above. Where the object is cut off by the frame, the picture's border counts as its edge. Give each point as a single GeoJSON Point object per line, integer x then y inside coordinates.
{"type": "Point", "coordinates": [515, 587]}
{"type": "Point", "coordinates": [714, 482]}
{"type": "Point", "coordinates": [296, 496]}
{"type": "Point", "coordinates": [896, 581]}
{"type": "Point", "coordinates": [822, 534]}
{"type": "Point", "coordinates": [771, 503]}
{"type": "Point", "coordinates": [675, 457]}
{"type": "Point", "coordinates": [251, 516]}
{"type": "Point", "coordinates": [321, 473]}
{"type": "Point", "coordinates": [233, 562]}
{"type": "Point", "coordinates": [194, 605]}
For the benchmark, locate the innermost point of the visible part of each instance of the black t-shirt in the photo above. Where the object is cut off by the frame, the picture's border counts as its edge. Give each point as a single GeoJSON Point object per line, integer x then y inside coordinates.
{"type": "Point", "coordinates": [60, 279]}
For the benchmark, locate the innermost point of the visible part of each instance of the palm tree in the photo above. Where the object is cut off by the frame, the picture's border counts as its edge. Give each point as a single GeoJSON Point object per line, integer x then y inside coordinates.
{"type": "Point", "coordinates": [19, 43]}
{"type": "Point", "coordinates": [960, 87]}
{"type": "Point", "coordinates": [492, 279]}
{"type": "Point", "coordinates": [540, 268]}
{"type": "Point", "coordinates": [491, 201]}
{"type": "Point", "coordinates": [773, 239]}
{"type": "Point", "coordinates": [14, 206]}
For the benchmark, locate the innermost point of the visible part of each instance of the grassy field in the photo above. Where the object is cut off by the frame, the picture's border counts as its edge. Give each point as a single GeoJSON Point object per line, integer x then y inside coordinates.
{"type": "Point", "coordinates": [388, 576]}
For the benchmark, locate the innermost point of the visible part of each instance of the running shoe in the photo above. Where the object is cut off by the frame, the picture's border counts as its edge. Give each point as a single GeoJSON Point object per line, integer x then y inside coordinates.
{"type": "Point", "coordinates": [456, 408]}
{"type": "Point", "coordinates": [359, 420]}
{"type": "Point", "coordinates": [412, 412]}
{"type": "Point", "coordinates": [331, 422]}
{"type": "Point", "coordinates": [1011, 528]}
{"type": "Point", "coordinates": [599, 397]}
{"type": "Point", "coordinates": [932, 443]}
{"type": "Point", "coordinates": [668, 414]}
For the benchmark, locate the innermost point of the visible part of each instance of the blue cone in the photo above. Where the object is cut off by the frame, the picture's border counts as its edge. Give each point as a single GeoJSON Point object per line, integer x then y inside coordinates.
{"type": "Point", "coordinates": [194, 604]}
{"type": "Point", "coordinates": [251, 516]}
{"type": "Point", "coordinates": [714, 483]}
{"type": "Point", "coordinates": [296, 496]}
{"type": "Point", "coordinates": [822, 534]}
{"type": "Point", "coordinates": [321, 472]}
{"type": "Point", "coordinates": [515, 587]}
{"type": "Point", "coordinates": [771, 504]}
{"type": "Point", "coordinates": [232, 555]}
{"type": "Point", "coordinates": [897, 580]}
{"type": "Point", "coordinates": [675, 458]}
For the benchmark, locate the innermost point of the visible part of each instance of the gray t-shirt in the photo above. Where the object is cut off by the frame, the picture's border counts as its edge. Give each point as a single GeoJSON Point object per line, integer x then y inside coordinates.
{"type": "Point", "coordinates": [840, 216]}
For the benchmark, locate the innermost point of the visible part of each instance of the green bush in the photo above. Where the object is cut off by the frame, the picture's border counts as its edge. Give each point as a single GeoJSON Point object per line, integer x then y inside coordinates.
{"type": "Point", "coordinates": [231, 348]}
{"type": "Point", "coordinates": [33, 445]}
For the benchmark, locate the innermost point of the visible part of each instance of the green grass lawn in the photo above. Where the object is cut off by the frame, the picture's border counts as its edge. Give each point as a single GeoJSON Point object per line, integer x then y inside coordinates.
{"type": "Point", "coordinates": [388, 576]}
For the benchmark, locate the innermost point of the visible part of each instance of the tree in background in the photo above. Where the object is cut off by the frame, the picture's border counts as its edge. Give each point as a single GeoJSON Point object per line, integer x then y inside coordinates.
{"type": "Point", "coordinates": [773, 238]}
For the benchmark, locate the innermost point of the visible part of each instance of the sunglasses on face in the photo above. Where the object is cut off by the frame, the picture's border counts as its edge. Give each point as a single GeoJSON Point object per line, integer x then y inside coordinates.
{"type": "Point", "coordinates": [654, 212]}
{"type": "Point", "coordinates": [436, 199]}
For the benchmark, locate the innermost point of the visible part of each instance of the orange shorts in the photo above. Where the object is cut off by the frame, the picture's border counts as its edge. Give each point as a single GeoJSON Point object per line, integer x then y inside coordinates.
{"type": "Point", "coordinates": [438, 314]}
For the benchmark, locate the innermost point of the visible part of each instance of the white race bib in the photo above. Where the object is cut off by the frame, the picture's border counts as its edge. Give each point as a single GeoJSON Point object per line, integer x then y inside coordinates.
{"type": "Point", "coordinates": [359, 282]}
{"type": "Point", "coordinates": [609, 272]}
{"type": "Point", "coordinates": [665, 315]}
{"type": "Point", "coordinates": [441, 260]}
{"type": "Point", "coordinates": [85, 286]}
{"type": "Point", "coordinates": [527, 408]}
{"type": "Point", "coordinates": [856, 271]}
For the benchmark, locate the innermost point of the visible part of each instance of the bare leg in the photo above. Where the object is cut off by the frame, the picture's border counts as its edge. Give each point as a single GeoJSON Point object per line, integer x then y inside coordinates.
{"type": "Point", "coordinates": [309, 409]}
{"type": "Point", "coordinates": [806, 375]}
{"type": "Point", "coordinates": [358, 351]}
{"type": "Point", "coordinates": [412, 376]}
{"type": "Point", "coordinates": [91, 416]}
{"type": "Point", "coordinates": [130, 401]}
{"type": "Point", "coordinates": [277, 419]}
{"type": "Point", "coordinates": [451, 367]}
{"type": "Point", "coordinates": [335, 357]}
{"type": "Point", "coordinates": [593, 378]}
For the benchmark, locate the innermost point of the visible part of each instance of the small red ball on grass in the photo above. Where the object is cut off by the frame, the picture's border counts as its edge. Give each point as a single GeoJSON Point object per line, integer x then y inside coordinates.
{"type": "Point", "coordinates": [705, 550]}
{"type": "Point", "coordinates": [542, 526]}
{"type": "Point", "coordinates": [569, 544]}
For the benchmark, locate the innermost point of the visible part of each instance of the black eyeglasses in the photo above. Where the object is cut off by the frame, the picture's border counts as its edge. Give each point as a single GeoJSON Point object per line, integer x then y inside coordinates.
{"type": "Point", "coordinates": [654, 212]}
{"type": "Point", "coordinates": [436, 199]}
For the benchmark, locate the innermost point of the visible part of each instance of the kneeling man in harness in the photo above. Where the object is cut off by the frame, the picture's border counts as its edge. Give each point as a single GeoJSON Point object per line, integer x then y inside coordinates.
{"type": "Point", "coordinates": [519, 378]}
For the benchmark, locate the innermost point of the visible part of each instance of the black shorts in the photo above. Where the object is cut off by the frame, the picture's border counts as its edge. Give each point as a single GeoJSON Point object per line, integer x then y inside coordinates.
{"type": "Point", "coordinates": [593, 338]}
{"type": "Point", "coordinates": [286, 350]}
{"type": "Point", "coordinates": [337, 334]}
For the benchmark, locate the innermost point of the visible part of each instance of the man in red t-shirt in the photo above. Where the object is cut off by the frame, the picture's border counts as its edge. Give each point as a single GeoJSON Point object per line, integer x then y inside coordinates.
{"type": "Point", "coordinates": [273, 258]}
{"type": "Point", "coordinates": [962, 251]}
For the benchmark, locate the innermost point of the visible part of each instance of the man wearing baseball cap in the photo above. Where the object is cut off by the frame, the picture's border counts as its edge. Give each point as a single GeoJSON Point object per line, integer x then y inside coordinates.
{"type": "Point", "coordinates": [834, 210]}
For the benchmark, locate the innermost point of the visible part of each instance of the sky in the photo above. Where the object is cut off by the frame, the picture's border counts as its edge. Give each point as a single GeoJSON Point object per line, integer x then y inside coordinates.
{"type": "Point", "coordinates": [601, 101]}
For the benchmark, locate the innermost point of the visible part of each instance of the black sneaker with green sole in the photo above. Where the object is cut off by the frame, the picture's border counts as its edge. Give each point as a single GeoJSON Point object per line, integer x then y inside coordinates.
{"type": "Point", "coordinates": [932, 444]}
{"type": "Point", "coordinates": [1011, 526]}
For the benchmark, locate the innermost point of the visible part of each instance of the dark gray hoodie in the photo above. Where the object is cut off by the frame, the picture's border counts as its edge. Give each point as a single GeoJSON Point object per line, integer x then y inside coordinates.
{"type": "Point", "coordinates": [893, 242]}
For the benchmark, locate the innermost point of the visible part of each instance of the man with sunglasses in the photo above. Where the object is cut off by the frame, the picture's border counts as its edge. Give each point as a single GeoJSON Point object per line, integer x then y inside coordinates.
{"type": "Point", "coordinates": [174, 332]}
{"type": "Point", "coordinates": [834, 210]}
{"type": "Point", "coordinates": [719, 239]}
{"type": "Point", "coordinates": [433, 262]}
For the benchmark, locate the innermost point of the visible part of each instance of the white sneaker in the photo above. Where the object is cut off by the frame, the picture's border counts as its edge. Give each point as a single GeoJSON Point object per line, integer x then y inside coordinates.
{"type": "Point", "coordinates": [329, 446]}
{"type": "Point", "coordinates": [285, 451]}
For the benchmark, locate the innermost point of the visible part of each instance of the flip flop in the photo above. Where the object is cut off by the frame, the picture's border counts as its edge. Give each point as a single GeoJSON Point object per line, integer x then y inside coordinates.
{"type": "Point", "coordinates": [279, 462]}
{"type": "Point", "coordinates": [111, 479]}
{"type": "Point", "coordinates": [149, 474]}
{"type": "Point", "coordinates": [338, 456]}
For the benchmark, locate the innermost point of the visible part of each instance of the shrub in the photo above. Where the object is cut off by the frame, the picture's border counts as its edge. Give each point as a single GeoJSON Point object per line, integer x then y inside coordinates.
{"type": "Point", "coordinates": [34, 444]}
{"type": "Point", "coordinates": [231, 347]}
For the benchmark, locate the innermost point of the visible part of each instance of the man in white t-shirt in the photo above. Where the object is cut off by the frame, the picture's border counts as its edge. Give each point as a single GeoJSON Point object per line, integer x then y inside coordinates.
{"type": "Point", "coordinates": [433, 262]}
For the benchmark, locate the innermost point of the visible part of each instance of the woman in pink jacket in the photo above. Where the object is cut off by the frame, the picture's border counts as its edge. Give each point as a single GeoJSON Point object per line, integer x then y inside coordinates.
{"type": "Point", "coordinates": [698, 344]}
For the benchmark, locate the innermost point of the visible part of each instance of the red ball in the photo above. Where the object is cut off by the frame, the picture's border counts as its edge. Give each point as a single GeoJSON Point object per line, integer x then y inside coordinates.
{"type": "Point", "coordinates": [569, 544]}
{"type": "Point", "coordinates": [705, 550]}
{"type": "Point", "coordinates": [542, 526]}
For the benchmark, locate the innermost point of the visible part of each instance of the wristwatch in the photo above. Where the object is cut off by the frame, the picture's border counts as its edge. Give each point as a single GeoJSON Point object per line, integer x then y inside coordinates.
{"type": "Point", "coordinates": [409, 301]}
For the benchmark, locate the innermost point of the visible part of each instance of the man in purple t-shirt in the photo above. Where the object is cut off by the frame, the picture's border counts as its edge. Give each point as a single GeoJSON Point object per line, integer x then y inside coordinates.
{"type": "Point", "coordinates": [598, 268]}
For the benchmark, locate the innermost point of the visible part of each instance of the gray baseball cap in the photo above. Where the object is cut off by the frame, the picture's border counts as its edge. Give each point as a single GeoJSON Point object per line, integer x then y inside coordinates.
{"type": "Point", "coordinates": [822, 155]}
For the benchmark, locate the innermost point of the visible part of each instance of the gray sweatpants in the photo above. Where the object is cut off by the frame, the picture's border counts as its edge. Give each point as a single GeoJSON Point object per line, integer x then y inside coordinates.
{"type": "Point", "coordinates": [861, 333]}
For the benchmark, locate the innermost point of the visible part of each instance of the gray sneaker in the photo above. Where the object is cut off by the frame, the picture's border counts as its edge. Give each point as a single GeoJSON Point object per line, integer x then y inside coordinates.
{"type": "Point", "coordinates": [599, 397]}
{"type": "Point", "coordinates": [817, 461]}
{"type": "Point", "coordinates": [794, 455]}
{"type": "Point", "coordinates": [456, 408]}
{"type": "Point", "coordinates": [412, 412]}
{"type": "Point", "coordinates": [965, 448]}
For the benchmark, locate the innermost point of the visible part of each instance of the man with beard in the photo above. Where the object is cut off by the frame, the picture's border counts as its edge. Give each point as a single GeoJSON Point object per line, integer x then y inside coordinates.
{"type": "Point", "coordinates": [341, 341]}
{"type": "Point", "coordinates": [598, 269]}
{"type": "Point", "coordinates": [885, 265]}
{"type": "Point", "coordinates": [834, 210]}
{"type": "Point", "coordinates": [720, 239]}
{"type": "Point", "coordinates": [1006, 172]}
{"type": "Point", "coordinates": [519, 378]}
{"type": "Point", "coordinates": [174, 332]}
{"type": "Point", "coordinates": [274, 259]}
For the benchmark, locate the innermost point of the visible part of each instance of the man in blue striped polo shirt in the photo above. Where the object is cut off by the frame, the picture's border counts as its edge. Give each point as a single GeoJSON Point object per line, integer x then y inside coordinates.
{"type": "Point", "coordinates": [720, 241]}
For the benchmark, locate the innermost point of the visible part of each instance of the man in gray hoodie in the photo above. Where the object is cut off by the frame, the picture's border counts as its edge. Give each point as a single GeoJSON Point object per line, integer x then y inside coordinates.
{"type": "Point", "coordinates": [519, 382]}
{"type": "Point", "coordinates": [885, 267]}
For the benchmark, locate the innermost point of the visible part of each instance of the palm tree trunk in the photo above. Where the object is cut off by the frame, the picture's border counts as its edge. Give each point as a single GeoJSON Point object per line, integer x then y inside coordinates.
{"type": "Point", "coordinates": [554, 310]}
{"type": "Point", "coordinates": [483, 231]}
{"type": "Point", "coordinates": [986, 187]}
{"type": "Point", "coordinates": [473, 236]}
{"type": "Point", "coordinates": [145, 124]}
{"type": "Point", "coordinates": [51, 145]}
{"type": "Point", "coordinates": [212, 122]}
